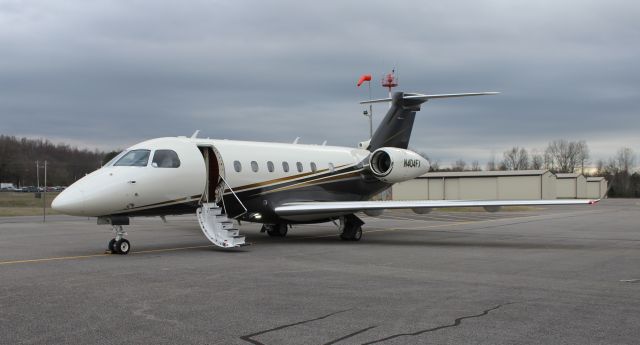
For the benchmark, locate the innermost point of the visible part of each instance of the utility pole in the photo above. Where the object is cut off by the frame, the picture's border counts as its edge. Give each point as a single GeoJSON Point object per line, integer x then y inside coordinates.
{"type": "Point", "coordinates": [367, 78]}
{"type": "Point", "coordinates": [370, 113]}
{"type": "Point", "coordinates": [44, 195]}
{"type": "Point", "coordinates": [38, 174]}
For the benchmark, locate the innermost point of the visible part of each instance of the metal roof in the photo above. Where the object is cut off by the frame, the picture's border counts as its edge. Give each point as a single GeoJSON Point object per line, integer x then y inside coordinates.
{"type": "Point", "coordinates": [484, 173]}
{"type": "Point", "coordinates": [568, 175]}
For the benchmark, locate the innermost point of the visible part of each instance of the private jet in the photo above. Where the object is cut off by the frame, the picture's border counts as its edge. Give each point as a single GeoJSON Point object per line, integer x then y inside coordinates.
{"type": "Point", "coordinates": [275, 184]}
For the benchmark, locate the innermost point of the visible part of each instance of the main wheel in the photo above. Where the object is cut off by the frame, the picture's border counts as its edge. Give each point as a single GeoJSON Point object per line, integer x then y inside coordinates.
{"type": "Point", "coordinates": [354, 234]}
{"type": "Point", "coordinates": [357, 235]}
{"type": "Point", "coordinates": [278, 230]}
{"type": "Point", "coordinates": [123, 246]}
{"type": "Point", "coordinates": [112, 246]}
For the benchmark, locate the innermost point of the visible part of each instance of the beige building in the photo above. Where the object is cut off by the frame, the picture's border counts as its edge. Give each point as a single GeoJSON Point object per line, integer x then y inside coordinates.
{"type": "Point", "coordinates": [571, 186]}
{"type": "Point", "coordinates": [479, 185]}
{"type": "Point", "coordinates": [596, 187]}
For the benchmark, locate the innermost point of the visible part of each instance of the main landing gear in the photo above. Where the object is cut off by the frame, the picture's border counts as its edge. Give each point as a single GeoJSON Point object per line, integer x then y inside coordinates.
{"type": "Point", "coordinates": [119, 244]}
{"type": "Point", "coordinates": [275, 230]}
{"type": "Point", "coordinates": [350, 227]}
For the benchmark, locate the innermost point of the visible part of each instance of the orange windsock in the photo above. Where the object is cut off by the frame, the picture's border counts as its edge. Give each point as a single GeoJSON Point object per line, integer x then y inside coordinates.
{"type": "Point", "coordinates": [365, 77]}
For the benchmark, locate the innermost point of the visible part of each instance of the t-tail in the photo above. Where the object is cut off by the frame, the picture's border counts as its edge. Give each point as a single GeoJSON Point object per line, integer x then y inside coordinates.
{"type": "Point", "coordinates": [395, 128]}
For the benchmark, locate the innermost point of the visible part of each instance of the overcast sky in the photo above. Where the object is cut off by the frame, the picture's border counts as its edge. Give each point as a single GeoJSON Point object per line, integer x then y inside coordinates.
{"type": "Point", "coordinates": [108, 74]}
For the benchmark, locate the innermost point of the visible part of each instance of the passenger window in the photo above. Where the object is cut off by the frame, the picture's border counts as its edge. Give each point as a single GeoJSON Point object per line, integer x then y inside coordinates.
{"type": "Point", "coordinates": [254, 166]}
{"type": "Point", "coordinates": [299, 165]}
{"type": "Point", "coordinates": [285, 166]}
{"type": "Point", "coordinates": [237, 166]}
{"type": "Point", "coordinates": [165, 159]}
{"type": "Point", "coordinates": [134, 158]}
{"type": "Point", "coordinates": [313, 167]}
{"type": "Point", "coordinates": [270, 166]}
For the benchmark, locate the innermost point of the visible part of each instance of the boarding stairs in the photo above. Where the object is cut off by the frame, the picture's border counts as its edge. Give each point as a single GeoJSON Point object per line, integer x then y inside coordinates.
{"type": "Point", "coordinates": [218, 228]}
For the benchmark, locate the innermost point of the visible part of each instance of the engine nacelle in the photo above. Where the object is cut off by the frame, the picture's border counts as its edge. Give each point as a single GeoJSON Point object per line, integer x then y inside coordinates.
{"type": "Point", "coordinates": [391, 164]}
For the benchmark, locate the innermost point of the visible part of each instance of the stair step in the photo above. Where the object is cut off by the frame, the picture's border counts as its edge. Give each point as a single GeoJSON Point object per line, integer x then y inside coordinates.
{"type": "Point", "coordinates": [217, 227]}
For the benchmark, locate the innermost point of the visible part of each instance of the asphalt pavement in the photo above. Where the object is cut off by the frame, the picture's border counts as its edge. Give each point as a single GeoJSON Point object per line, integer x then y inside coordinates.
{"type": "Point", "coordinates": [562, 275]}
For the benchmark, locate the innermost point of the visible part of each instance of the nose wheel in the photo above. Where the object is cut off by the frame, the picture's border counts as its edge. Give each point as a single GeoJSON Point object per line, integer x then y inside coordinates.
{"type": "Point", "coordinates": [119, 244]}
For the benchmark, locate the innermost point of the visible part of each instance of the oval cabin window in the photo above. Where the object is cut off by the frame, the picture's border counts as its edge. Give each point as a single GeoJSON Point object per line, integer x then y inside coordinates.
{"type": "Point", "coordinates": [285, 166]}
{"type": "Point", "coordinates": [254, 166]}
{"type": "Point", "coordinates": [237, 166]}
{"type": "Point", "coordinates": [270, 166]}
{"type": "Point", "coordinates": [299, 166]}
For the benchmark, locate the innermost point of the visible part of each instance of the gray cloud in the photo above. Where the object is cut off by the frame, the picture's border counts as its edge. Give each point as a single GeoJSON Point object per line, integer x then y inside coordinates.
{"type": "Point", "coordinates": [110, 73]}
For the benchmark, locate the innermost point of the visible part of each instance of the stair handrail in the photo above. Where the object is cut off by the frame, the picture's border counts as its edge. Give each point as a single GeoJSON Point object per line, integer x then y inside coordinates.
{"type": "Point", "coordinates": [236, 196]}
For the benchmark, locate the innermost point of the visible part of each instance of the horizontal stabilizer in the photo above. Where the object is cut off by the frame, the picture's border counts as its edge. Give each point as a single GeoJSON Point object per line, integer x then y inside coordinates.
{"type": "Point", "coordinates": [424, 98]}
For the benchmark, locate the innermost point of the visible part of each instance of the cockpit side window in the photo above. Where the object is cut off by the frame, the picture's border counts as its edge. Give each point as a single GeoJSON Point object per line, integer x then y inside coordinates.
{"type": "Point", "coordinates": [115, 159]}
{"type": "Point", "coordinates": [165, 159]}
{"type": "Point", "coordinates": [134, 158]}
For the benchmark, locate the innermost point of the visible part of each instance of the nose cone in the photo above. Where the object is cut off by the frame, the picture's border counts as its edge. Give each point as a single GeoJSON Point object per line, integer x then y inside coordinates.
{"type": "Point", "coordinates": [70, 201]}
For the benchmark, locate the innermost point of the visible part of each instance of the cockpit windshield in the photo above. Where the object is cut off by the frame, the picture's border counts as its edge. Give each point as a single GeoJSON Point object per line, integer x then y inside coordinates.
{"type": "Point", "coordinates": [134, 158]}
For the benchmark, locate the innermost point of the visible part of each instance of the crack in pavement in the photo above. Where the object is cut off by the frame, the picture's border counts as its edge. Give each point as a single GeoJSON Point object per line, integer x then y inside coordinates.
{"type": "Point", "coordinates": [455, 323]}
{"type": "Point", "coordinates": [349, 335]}
{"type": "Point", "coordinates": [248, 337]}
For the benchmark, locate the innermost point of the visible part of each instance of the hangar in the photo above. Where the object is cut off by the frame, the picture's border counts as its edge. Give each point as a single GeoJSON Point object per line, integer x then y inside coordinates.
{"type": "Point", "coordinates": [479, 185]}
{"type": "Point", "coordinates": [571, 186]}
{"type": "Point", "coordinates": [596, 187]}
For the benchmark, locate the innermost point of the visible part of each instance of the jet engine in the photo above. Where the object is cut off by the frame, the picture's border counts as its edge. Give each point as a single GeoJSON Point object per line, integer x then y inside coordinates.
{"type": "Point", "coordinates": [391, 164]}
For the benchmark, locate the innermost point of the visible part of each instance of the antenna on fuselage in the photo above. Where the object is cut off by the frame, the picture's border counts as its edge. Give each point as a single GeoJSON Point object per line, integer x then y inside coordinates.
{"type": "Point", "coordinates": [195, 134]}
{"type": "Point", "coordinates": [296, 141]}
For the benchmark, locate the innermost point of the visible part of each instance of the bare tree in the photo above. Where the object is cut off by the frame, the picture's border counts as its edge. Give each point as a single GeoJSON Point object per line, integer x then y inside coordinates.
{"type": "Point", "coordinates": [491, 165]}
{"type": "Point", "coordinates": [583, 154]}
{"type": "Point", "coordinates": [516, 159]}
{"type": "Point", "coordinates": [537, 161]}
{"type": "Point", "coordinates": [475, 166]}
{"type": "Point", "coordinates": [434, 165]}
{"type": "Point", "coordinates": [565, 155]}
{"type": "Point", "coordinates": [625, 160]}
{"type": "Point", "coordinates": [459, 165]}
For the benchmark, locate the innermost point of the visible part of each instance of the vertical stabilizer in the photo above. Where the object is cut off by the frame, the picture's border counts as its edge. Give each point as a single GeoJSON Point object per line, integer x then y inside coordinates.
{"type": "Point", "coordinates": [395, 128]}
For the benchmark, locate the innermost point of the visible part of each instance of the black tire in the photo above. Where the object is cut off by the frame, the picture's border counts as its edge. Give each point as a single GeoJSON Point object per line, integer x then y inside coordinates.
{"type": "Point", "coordinates": [123, 246]}
{"type": "Point", "coordinates": [357, 234]}
{"type": "Point", "coordinates": [112, 246]}
{"type": "Point", "coordinates": [282, 229]}
{"type": "Point", "coordinates": [278, 230]}
{"type": "Point", "coordinates": [352, 235]}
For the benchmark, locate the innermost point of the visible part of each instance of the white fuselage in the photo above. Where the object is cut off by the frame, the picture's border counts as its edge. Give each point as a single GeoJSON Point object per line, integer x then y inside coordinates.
{"type": "Point", "coordinates": [244, 165]}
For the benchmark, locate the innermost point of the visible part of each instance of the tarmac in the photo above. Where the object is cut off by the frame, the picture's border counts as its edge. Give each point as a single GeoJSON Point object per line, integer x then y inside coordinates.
{"type": "Point", "coordinates": [561, 275]}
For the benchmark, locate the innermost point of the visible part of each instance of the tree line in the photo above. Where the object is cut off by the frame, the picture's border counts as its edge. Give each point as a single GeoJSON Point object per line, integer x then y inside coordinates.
{"type": "Point", "coordinates": [562, 156]}
{"type": "Point", "coordinates": [65, 164]}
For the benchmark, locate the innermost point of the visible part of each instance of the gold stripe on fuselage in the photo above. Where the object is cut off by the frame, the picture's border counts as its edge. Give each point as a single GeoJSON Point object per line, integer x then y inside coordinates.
{"type": "Point", "coordinates": [282, 179]}
{"type": "Point", "coordinates": [332, 178]}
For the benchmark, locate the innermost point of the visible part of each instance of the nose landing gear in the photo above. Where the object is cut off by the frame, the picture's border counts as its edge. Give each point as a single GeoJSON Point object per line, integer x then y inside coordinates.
{"type": "Point", "coordinates": [119, 244]}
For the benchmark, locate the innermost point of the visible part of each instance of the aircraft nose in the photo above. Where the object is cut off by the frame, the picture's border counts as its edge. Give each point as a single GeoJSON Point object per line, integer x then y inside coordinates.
{"type": "Point", "coordinates": [70, 201]}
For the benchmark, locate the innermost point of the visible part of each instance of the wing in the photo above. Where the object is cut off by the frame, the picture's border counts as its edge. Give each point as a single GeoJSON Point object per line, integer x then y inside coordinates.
{"type": "Point", "coordinates": [335, 208]}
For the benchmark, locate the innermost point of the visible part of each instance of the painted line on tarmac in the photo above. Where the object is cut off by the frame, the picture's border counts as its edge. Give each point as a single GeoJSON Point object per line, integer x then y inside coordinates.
{"type": "Point", "coordinates": [97, 255]}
